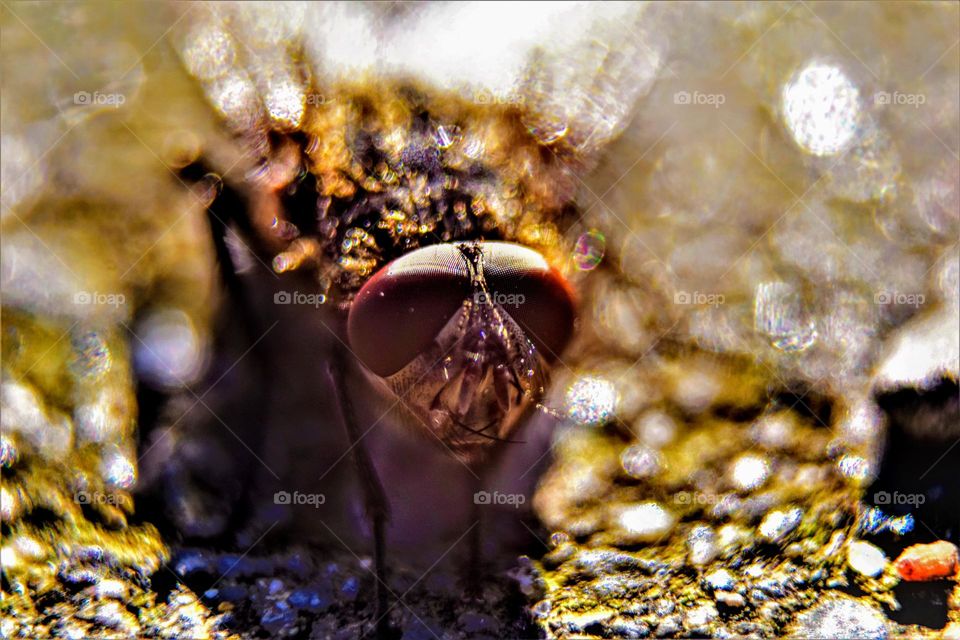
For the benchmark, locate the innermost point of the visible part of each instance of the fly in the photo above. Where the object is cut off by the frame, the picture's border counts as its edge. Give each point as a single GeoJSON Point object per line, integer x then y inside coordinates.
{"type": "Point", "coordinates": [464, 367]}
{"type": "Point", "coordinates": [412, 237]}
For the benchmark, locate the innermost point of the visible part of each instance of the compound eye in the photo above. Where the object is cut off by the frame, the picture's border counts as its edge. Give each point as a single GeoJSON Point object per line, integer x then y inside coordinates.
{"type": "Point", "coordinates": [398, 313]}
{"type": "Point", "coordinates": [535, 294]}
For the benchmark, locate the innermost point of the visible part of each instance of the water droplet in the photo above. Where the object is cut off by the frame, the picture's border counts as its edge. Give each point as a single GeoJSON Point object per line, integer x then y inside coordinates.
{"type": "Point", "coordinates": [284, 229]}
{"type": "Point", "coordinates": [591, 400]}
{"type": "Point", "coordinates": [780, 315]}
{"type": "Point", "coordinates": [8, 452]}
{"type": "Point", "coordinates": [208, 188]}
{"type": "Point", "coordinates": [589, 250]}
{"type": "Point", "coordinates": [282, 263]}
{"type": "Point", "coordinates": [169, 353]}
{"type": "Point", "coordinates": [777, 524]}
{"type": "Point", "coordinates": [118, 470]}
{"type": "Point", "coordinates": [640, 461]}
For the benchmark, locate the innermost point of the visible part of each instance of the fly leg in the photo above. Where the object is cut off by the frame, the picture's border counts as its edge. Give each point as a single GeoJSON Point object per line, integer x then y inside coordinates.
{"type": "Point", "coordinates": [218, 506]}
{"type": "Point", "coordinates": [474, 566]}
{"type": "Point", "coordinates": [375, 500]}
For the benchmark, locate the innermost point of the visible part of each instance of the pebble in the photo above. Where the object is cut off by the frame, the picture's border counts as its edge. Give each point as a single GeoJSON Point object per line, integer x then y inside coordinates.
{"type": "Point", "coordinates": [669, 626]}
{"type": "Point", "coordinates": [755, 570]}
{"type": "Point", "coordinates": [109, 588]}
{"type": "Point", "coordinates": [657, 429]}
{"type": "Point", "coordinates": [630, 629]}
{"type": "Point", "coordinates": [720, 580]}
{"type": "Point", "coordinates": [777, 524]}
{"type": "Point", "coordinates": [773, 431]}
{"type": "Point", "coordinates": [771, 610]}
{"type": "Point", "coordinates": [731, 536]}
{"type": "Point", "coordinates": [951, 631]}
{"type": "Point", "coordinates": [771, 587]}
{"type": "Point", "coordinates": [112, 614]}
{"type": "Point", "coordinates": [701, 616]}
{"type": "Point", "coordinates": [749, 472]}
{"type": "Point", "coordinates": [278, 618]}
{"type": "Point", "coordinates": [640, 461]}
{"type": "Point", "coordinates": [644, 522]}
{"type": "Point", "coordinates": [733, 600]}
{"type": "Point", "coordinates": [834, 545]}
{"type": "Point", "coordinates": [933, 561]}
{"type": "Point", "coordinates": [664, 607]}
{"type": "Point", "coordinates": [576, 622]}
{"type": "Point", "coordinates": [855, 468]}
{"type": "Point", "coordinates": [702, 543]}
{"type": "Point", "coordinates": [350, 588]}
{"type": "Point", "coordinates": [866, 559]}
{"type": "Point", "coordinates": [8, 452]}
{"type": "Point", "coordinates": [309, 599]}
{"type": "Point", "coordinates": [874, 521]}
{"type": "Point", "coordinates": [841, 617]}
{"type": "Point", "coordinates": [596, 562]}
{"type": "Point", "coordinates": [542, 610]}
{"type": "Point", "coordinates": [559, 555]}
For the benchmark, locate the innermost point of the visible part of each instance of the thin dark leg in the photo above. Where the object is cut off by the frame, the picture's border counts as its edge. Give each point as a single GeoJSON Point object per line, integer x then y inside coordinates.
{"type": "Point", "coordinates": [377, 507]}
{"type": "Point", "coordinates": [225, 211]}
{"type": "Point", "coordinates": [474, 566]}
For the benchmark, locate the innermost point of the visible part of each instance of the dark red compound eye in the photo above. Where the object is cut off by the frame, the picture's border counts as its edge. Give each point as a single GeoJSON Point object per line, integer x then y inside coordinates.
{"type": "Point", "coordinates": [399, 312]}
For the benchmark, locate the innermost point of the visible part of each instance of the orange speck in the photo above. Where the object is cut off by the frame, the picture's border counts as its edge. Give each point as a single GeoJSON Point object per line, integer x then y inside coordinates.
{"type": "Point", "coordinates": [922, 562]}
